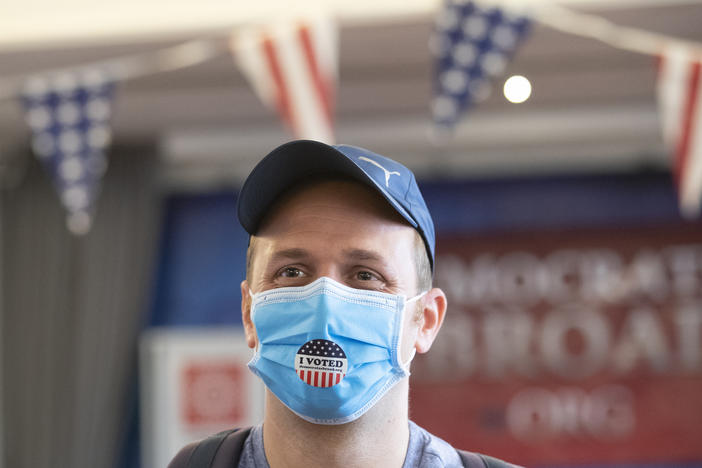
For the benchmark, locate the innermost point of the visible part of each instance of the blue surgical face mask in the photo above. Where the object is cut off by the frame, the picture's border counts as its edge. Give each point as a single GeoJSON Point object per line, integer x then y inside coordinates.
{"type": "Point", "coordinates": [327, 351]}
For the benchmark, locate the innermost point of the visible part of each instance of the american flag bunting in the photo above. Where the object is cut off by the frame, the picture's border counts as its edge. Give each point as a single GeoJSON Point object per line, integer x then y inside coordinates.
{"type": "Point", "coordinates": [680, 103]}
{"type": "Point", "coordinates": [292, 67]}
{"type": "Point", "coordinates": [471, 45]}
{"type": "Point", "coordinates": [68, 114]}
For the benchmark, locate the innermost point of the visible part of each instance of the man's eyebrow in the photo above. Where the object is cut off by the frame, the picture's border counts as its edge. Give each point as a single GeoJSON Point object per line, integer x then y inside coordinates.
{"type": "Point", "coordinates": [362, 254]}
{"type": "Point", "coordinates": [290, 254]}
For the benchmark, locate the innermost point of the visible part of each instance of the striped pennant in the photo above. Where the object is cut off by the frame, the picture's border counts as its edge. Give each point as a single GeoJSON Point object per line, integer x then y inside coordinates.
{"type": "Point", "coordinates": [680, 102]}
{"type": "Point", "coordinates": [292, 67]}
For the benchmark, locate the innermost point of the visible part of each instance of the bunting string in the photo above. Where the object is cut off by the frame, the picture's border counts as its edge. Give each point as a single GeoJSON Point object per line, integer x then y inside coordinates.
{"type": "Point", "coordinates": [124, 68]}
{"type": "Point", "coordinates": [200, 50]}
{"type": "Point", "coordinates": [603, 30]}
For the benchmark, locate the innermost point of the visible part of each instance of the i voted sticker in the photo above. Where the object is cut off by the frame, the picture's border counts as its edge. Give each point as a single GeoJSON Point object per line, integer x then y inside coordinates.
{"type": "Point", "coordinates": [321, 363]}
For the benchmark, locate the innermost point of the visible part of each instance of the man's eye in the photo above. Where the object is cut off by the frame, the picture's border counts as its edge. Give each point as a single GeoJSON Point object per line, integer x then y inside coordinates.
{"type": "Point", "coordinates": [291, 272]}
{"type": "Point", "coordinates": [365, 276]}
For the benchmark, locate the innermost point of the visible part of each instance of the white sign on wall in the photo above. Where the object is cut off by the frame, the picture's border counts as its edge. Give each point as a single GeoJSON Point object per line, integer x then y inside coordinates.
{"type": "Point", "coordinates": [193, 383]}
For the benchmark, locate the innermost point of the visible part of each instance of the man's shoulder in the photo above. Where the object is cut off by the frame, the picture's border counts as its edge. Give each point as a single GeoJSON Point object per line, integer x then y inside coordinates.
{"type": "Point", "coordinates": [446, 452]}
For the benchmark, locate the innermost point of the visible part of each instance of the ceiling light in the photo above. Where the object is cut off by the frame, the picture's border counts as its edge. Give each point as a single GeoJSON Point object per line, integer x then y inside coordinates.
{"type": "Point", "coordinates": [517, 89]}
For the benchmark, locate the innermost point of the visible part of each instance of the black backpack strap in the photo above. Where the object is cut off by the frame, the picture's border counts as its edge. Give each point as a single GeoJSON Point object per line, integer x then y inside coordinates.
{"type": "Point", "coordinates": [204, 453]}
{"type": "Point", "coordinates": [491, 462]}
{"type": "Point", "coordinates": [470, 459]}
{"type": "Point", "coordinates": [477, 460]}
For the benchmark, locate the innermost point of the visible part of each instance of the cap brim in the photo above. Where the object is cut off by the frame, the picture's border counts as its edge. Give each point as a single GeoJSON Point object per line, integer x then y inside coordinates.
{"type": "Point", "coordinates": [294, 163]}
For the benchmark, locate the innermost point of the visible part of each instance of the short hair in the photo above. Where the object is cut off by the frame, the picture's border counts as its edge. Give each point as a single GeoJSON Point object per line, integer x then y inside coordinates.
{"type": "Point", "coordinates": [422, 264]}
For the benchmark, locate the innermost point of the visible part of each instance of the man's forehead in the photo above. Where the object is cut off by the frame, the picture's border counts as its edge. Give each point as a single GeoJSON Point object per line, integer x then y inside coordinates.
{"type": "Point", "coordinates": [325, 195]}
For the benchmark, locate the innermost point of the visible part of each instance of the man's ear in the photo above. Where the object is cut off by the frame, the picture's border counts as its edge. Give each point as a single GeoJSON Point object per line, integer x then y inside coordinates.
{"type": "Point", "coordinates": [431, 318]}
{"type": "Point", "coordinates": [249, 329]}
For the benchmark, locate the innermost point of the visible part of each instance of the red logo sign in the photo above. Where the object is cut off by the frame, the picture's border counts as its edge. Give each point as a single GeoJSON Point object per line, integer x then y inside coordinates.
{"type": "Point", "coordinates": [213, 394]}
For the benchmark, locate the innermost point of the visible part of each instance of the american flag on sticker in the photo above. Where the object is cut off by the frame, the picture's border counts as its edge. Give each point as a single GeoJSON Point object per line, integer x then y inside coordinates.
{"type": "Point", "coordinates": [292, 67]}
{"type": "Point", "coordinates": [321, 363]}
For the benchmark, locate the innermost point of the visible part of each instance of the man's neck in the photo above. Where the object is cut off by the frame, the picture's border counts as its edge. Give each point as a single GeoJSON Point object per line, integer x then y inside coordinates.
{"type": "Point", "coordinates": [379, 438]}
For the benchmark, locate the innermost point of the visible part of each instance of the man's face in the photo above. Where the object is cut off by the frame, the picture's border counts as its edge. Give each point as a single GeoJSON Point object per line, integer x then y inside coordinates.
{"type": "Point", "coordinates": [340, 230]}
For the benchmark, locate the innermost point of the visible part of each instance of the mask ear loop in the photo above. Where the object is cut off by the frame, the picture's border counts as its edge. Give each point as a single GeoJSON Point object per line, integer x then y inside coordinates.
{"type": "Point", "coordinates": [406, 365]}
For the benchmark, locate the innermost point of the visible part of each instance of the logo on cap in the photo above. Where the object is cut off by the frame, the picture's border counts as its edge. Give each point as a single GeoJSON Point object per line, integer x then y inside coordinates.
{"type": "Point", "coordinates": [387, 173]}
{"type": "Point", "coordinates": [321, 363]}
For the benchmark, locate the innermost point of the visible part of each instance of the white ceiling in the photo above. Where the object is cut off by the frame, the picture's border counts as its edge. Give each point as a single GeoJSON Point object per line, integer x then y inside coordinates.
{"type": "Point", "coordinates": [593, 107]}
{"type": "Point", "coordinates": [52, 24]}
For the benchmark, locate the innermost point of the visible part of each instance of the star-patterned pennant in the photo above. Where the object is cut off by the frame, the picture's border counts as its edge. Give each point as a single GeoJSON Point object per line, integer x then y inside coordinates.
{"type": "Point", "coordinates": [471, 45]}
{"type": "Point", "coordinates": [69, 116]}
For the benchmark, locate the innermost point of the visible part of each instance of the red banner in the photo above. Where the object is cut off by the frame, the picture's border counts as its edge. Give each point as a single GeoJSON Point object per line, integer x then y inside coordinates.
{"type": "Point", "coordinates": [569, 347]}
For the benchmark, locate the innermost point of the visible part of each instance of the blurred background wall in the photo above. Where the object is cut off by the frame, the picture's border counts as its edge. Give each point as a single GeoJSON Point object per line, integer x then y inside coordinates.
{"type": "Point", "coordinates": [578, 173]}
{"type": "Point", "coordinates": [72, 311]}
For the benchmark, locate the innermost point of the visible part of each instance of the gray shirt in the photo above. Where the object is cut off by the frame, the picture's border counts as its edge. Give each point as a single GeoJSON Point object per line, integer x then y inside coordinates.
{"type": "Point", "coordinates": [424, 451]}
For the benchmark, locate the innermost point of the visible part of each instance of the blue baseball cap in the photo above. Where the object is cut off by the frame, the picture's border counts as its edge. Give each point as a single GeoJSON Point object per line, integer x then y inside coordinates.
{"type": "Point", "coordinates": [296, 161]}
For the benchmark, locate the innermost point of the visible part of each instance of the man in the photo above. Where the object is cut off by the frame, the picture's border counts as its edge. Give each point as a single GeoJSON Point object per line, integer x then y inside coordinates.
{"type": "Point", "coordinates": [337, 300]}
